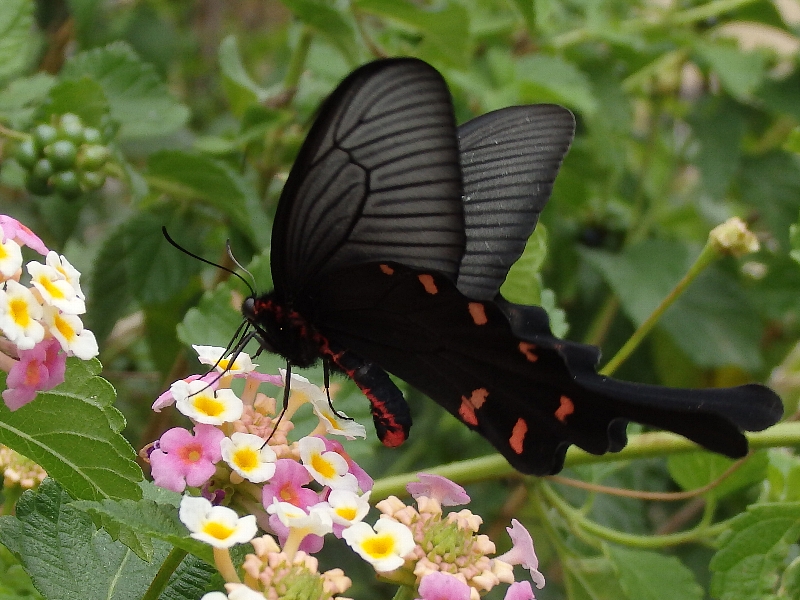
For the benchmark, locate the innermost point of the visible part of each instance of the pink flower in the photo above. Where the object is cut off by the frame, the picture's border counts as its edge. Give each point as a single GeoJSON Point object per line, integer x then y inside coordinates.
{"type": "Point", "coordinates": [522, 552]}
{"type": "Point", "coordinates": [183, 459]}
{"type": "Point", "coordinates": [365, 482]}
{"type": "Point", "coordinates": [443, 586]}
{"type": "Point", "coordinates": [38, 369]}
{"type": "Point", "coordinates": [287, 484]}
{"type": "Point", "coordinates": [520, 590]}
{"type": "Point", "coordinates": [13, 229]}
{"type": "Point", "coordinates": [439, 488]}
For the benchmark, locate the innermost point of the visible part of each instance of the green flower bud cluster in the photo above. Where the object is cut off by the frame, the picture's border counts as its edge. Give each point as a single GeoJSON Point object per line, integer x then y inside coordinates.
{"type": "Point", "coordinates": [67, 157]}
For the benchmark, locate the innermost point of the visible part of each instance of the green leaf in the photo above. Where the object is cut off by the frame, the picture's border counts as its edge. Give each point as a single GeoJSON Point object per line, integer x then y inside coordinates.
{"type": "Point", "coordinates": [67, 557]}
{"type": "Point", "coordinates": [211, 181]}
{"type": "Point", "coordinates": [83, 97]}
{"type": "Point", "coordinates": [241, 90]}
{"type": "Point", "coordinates": [719, 126]}
{"type": "Point", "coordinates": [794, 239]}
{"type": "Point", "coordinates": [752, 552]}
{"type": "Point", "coordinates": [146, 517]}
{"type": "Point", "coordinates": [136, 262]}
{"type": "Point", "coordinates": [645, 575]}
{"type": "Point", "coordinates": [793, 141]}
{"type": "Point", "coordinates": [783, 476]}
{"type": "Point", "coordinates": [740, 73]}
{"type": "Point", "coordinates": [592, 579]}
{"type": "Point", "coordinates": [445, 28]}
{"type": "Point", "coordinates": [328, 21]}
{"type": "Point", "coordinates": [18, 42]}
{"type": "Point", "coordinates": [522, 284]}
{"type": "Point", "coordinates": [73, 432]}
{"type": "Point", "coordinates": [22, 97]}
{"type": "Point", "coordinates": [139, 100]}
{"type": "Point", "coordinates": [696, 469]}
{"type": "Point", "coordinates": [543, 78]}
{"type": "Point", "coordinates": [712, 322]}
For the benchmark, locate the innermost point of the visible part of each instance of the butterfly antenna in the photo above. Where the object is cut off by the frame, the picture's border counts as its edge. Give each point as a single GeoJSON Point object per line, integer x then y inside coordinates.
{"type": "Point", "coordinates": [208, 262]}
{"type": "Point", "coordinates": [326, 370]}
{"type": "Point", "coordinates": [238, 264]}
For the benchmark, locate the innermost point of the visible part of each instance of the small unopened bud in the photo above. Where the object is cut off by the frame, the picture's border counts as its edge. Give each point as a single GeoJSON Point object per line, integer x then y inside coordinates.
{"type": "Point", "coordinates": [734, 238]}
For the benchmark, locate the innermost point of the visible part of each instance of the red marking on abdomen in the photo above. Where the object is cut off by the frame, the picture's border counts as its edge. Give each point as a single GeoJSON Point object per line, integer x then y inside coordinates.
{"type": "Point", "coordinates": [387, 269]}
{"type": "Point", "coordinates": [528, 350]}
{"type": "Point", "coordinates": [428, 283]}
{"type": "Point", "coordinates": [565, 409]}
{"type": "Point", "coordinates": [517, 439]}
{"type": "Point", "coordinates": [478, 313]}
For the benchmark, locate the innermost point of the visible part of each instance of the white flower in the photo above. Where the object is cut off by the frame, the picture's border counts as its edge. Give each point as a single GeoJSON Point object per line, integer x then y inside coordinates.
{"type": "Point", "coordinates": [334, 424]}
{"type": "Point", "coordinates": [10, 258]}
{"type": "Point", "coordinates": [69, 331]}
{"type": "Point", "coordinates": [250, 456]}
{"type": "Point", "coordinates": [20, 312]}
{"type": "Point", "coordinates": [67, 271]}
{"type": "Point", "coordinates": [216, 525]}
{"type": "Point", "coordinates": [239, 591]}
{"type": "Point", "coordinates": [385, 547]}
{"type": "Point", "coordinates": [212, 355]}
{"type": "Point", "coordinates": [327, 468]}
{"type": "Point", "coordinates": [55, 289]}
{"type": "Point", "coordinates": [198, 401]}
{"type": "Point", "coordinates": [348, 508]}
{"type": "Point", "coordinates": [317, 520]}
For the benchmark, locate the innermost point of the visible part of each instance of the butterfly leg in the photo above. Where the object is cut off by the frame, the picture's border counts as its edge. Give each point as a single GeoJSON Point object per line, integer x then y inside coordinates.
{"type": "Point", "coordinates": [390, 411]}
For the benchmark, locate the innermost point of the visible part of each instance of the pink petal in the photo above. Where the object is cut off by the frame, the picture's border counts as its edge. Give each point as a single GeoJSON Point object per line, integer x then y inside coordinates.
{"type": "Point", "coordinates": [440, 488]}
{"type": "Point", "coordinates": [22, 235]}
{"type": "Point", "coordinates": [520, 590]}
{"type": "Point", "coordinates": [443, 586]}
{"type": "Point", "coordinates": [522, 552]}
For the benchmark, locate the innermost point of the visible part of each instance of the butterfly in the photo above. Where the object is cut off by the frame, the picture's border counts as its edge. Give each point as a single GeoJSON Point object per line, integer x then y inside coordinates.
{"type": "Point", "coordinates": [392, 236]}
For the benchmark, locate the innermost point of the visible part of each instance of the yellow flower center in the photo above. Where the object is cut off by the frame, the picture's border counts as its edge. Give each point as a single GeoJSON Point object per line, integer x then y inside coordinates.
{"type": "Point", "coordinates": [217, 530]}
{"type": "Point", "coordinates": [380, 546]}
{"type": "Point", "coordinates": [209, 405]}
{"type": "Point", "coordinates": [19, 312]}
{"type": "Point", "coordinates": [50, 287]}
{"type": "Point", "coordinates": [346, 512]}
{"type": "Point", "coordinates": [322, 466]}
{"type": "Point", "coordinates": [246, 459]}
{"type": "Point", "coordinates": [64, 328]}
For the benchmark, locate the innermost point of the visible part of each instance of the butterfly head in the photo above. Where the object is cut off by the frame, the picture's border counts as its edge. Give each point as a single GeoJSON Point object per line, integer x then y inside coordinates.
{"type": "Point", "coordinates": [281, 330]}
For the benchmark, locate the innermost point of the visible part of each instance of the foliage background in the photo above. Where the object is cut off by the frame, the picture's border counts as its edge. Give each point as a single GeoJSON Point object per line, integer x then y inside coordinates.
{"type": "Point", "coordinates": [686, 112]}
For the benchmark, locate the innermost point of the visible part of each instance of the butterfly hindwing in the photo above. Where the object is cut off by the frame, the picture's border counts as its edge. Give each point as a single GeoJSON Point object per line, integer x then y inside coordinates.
{"type": "Point", "coordinates": [518, 391]}
{"type": "Point", "coordinates": [377, 178]}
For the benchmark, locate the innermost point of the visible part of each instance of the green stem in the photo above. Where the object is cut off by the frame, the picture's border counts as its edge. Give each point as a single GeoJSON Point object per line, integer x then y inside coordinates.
{"type": "Point", "coordinates": [298, 60]}
{"type": "Point", "coordinates": [682, 17]}
{"type": "Point", "coordinates": [404, 592]}
{"type": "Point", "coordinates": [13, 134]}
{"type": "Point", "coordinates": [11, 495]}
{"type": "Point", "coordinates": [602, 322]}
{"type": "Point", "coordinates": [707, 256]}
{"type": "Point", "coordinates": [644, 445]}
{"type": "Point", "coordinates": [159, 583]}
{"type": "Point", "coordinates": [580, 526]}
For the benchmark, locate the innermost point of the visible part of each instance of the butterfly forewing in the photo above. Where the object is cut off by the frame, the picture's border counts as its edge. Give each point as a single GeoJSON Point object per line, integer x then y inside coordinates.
{"type": "Point", "coordinates": [378, 178]}
{"type": "Point", "coordinates": [509, 160]}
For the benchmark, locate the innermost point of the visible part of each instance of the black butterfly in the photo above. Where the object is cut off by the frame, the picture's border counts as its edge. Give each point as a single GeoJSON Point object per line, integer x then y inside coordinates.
{"type": "Point", "coordinates": [392, 237]}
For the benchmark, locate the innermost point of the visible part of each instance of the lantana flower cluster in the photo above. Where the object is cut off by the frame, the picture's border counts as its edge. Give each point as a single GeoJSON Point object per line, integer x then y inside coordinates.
{"type": "Point", "coordinates": [241, 474]}
{"type": "Point", "coordinates": [39, 321]}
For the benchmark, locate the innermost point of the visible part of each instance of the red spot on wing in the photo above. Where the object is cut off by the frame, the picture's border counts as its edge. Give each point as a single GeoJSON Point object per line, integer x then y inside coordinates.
{"type": "Point", "coordinates": [387, 269]}
{"type": "Point", "coordinates": [478, 313]}
{"type": "Point", "coordinates": [428, 283]}
{"type": "Point", "coordinates": [467, 412]}
{"type": "Point", "coordinates": [565, 408]}
{"type": "Point", "coordinates": [517, 439]}
{"type": "Point", "coordinates": [528, 350]}
{"type": "Point", "coordinates": [468, 406]}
